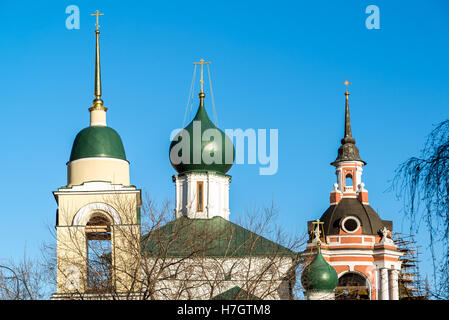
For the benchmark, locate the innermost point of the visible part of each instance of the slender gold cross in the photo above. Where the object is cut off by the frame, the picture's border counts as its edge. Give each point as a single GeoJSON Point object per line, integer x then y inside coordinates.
{"type": "Point", "coordinates": [97, 14]}
{"type": "Point", "coordinates": [202, 62]}
{"type": "Point", "coordinates": [346, 83]}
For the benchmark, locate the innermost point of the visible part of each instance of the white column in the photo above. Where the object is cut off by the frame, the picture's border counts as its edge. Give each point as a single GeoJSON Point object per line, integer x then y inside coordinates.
{"type": "Point", "coordinates": [394, 286]}
{"type": "Point", "coordinates": [339, 179]}
{"type": "Point", "coordinates": [358, 174]}
{"type": "Point", "coordinates": [384, 292]}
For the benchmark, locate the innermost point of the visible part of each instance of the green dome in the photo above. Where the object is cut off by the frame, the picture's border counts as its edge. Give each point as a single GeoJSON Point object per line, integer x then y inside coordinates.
{"type": "Point", "coordinates": [216, 148]}
{"type": "Point", "coordinates": [97, 141]}
{"type": "Point", "coordinates": [319, 275]}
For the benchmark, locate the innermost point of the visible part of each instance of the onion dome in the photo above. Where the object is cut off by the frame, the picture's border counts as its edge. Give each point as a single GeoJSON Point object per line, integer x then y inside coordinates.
{"type": "Point", "coordinates": [348, 150]}
{"type": "Point", "coordinates": [97, 141]}
{"type": "Point", "coordinates": [319, 275]}
{"type": "Point", "coordinates": [219, 160]}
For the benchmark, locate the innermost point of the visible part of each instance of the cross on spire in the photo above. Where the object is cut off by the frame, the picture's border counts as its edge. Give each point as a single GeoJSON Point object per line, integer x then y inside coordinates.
{"type": "Point", "coordinates": [346, 83]}
{"type": "Point", "coordinates": [202, 62]}
{"type": "Point", "coordinates": [97, 14]}
{"type": "Point", "coordinates": [98, 102]}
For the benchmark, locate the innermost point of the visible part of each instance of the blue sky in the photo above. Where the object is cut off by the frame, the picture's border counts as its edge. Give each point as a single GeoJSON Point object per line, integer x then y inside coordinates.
{"type": "Point", "coordinates": [275, 65]}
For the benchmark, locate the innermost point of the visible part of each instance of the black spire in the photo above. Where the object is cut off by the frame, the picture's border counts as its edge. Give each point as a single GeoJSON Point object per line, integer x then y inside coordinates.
{"type": "Point", "coordinates": [348, 150]}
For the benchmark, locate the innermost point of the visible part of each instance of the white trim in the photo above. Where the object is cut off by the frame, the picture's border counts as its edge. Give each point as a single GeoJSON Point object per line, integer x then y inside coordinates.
{"type": "Point", "coordinates": [353, 218]}
{"type": "Point", "coordinates": [97, 158]}
{"type": "Point", "coordinates": [351, 263]}
{"type": "Point", "coordinates": [344, 164]}
{"type": "Point", "coordinates": [83, 214]}
{"type": "Point", "coordinates": [99, 186]}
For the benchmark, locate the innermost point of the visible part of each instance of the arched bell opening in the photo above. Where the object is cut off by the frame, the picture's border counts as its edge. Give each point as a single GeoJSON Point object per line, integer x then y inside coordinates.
{"type": "Point", "coordinates": [99, 253]}
{"type": "Point", "coordinates": [353, 286]}
{"type": "Point", "coordinates": [348, 182]}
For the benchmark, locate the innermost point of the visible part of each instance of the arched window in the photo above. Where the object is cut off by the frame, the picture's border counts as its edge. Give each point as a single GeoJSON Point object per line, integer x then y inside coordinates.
{"type": "Point", "coordinates": [348, 181]}
{"type": "Point", "coordinates": [352, 286]}
{"type": "Point", "coordinates": [99, 253]}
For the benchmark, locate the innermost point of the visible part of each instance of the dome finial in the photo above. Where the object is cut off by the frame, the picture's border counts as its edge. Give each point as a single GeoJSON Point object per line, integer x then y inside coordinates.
{"type": "Point", "coordinates": [346, 83]}
{"type": "Point", "coordinates": [98, 102]}
{"type": "Point", "coordinates": [201, 94]}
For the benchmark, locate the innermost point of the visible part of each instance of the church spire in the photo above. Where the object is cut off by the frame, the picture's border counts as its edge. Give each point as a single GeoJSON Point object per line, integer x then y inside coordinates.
{"type": "Point", "coordinates": [347, 151]}
{"type": "Point", "coordinates": [97, 111]}
{"type": "Point", "coordinates": [348, 133]}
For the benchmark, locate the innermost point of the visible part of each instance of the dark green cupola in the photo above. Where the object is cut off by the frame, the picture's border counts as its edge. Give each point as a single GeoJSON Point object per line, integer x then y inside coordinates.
{"type": "Point", "coordinates": [217, 146]}
{"type": "Point", "coordinates": [97, 141]}
{"type": "Point", "coordinates": [319, 276]}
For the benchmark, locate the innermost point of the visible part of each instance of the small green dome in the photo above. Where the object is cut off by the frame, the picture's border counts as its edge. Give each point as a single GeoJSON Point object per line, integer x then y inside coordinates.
{"type": "Point", "coordinates": [217, 148]}
{"type": "Point", "coordinates": [319, 275]}
{"type": "Point", "coordinates": [97, 141]}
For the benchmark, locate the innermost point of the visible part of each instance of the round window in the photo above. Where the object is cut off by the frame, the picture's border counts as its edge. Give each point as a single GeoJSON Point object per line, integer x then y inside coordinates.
{"type": "Point", "coordinates": [350, 224]}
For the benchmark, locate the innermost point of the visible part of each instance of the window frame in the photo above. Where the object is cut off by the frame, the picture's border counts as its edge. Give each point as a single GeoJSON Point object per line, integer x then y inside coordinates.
{"type": "Point", "coordinates": [199, 196]}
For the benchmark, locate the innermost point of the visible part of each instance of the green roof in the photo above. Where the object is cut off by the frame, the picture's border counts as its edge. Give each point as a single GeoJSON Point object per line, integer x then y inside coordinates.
{"type": "Point", "coordinates": [319, 275]}
{"type": "Point", "coordinates": [215, 237]}
{"type": "Point", "coordinates": [217, 148]}
{"type": "Point", "coordinates": [235, 293]}
{"type": "Point", "coordinates": [97, 141]}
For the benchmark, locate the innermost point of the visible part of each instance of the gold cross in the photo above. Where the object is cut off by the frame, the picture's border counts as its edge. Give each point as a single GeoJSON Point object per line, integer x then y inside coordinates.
{"type": "Point", "coordinates": [346, 83]}
{"type": "Point", "coordinates": [202, 62]}
{"type": "Point", "coordinates": [317, 223]}
{"type": "Point", "coordinates": [97, 14]}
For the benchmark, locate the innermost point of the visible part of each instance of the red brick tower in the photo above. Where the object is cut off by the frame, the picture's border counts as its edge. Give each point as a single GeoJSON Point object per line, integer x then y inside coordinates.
{"type": "Point", "coordinates": [356, 242]}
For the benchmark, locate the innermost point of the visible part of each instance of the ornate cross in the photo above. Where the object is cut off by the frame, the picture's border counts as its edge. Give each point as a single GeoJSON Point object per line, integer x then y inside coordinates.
{"type": "Point", "coordinates": [346, 83]}
{"type": "Point", "coordinates": [202, 62]}
{"type": "Point", "coordinates": [97, 14]}
{"type": "Point", "coordinates": [317, 223]}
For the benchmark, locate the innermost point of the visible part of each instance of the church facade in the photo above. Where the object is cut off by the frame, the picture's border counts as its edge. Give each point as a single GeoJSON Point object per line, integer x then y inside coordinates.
{"type": "Point", "coordinates": [103, 253]}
